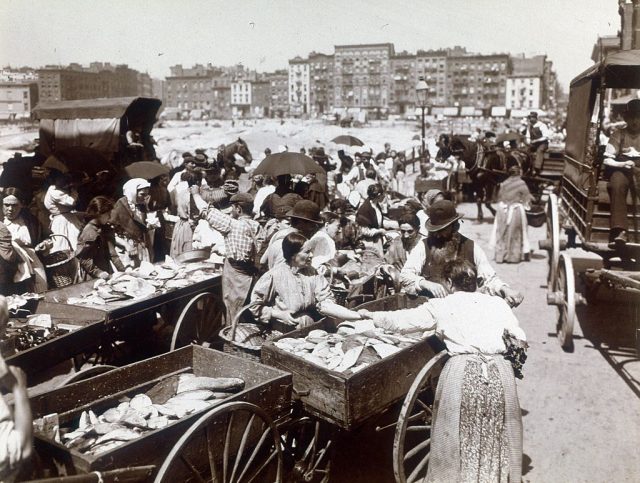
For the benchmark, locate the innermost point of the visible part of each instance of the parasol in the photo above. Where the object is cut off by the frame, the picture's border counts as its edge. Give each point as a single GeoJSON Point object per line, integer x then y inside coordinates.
{"type": "Point", "coordinates": [287, 163]}
{"type": "Point", "coordinates": [146, 170]}
{"type": "Point", "coordinates": [348, 140]}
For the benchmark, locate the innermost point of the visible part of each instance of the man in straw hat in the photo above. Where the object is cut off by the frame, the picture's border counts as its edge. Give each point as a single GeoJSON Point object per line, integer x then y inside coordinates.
{"type": "Point", "coordinates": [423, 270]}
{"type": "Point", "coordinates": [240, 232]}
{"type": "Point", "coordinates": [622, 158]}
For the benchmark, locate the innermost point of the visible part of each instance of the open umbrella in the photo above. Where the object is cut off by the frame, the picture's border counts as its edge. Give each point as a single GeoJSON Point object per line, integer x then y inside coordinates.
{"type": "Point", "coordinates": [146, 170]}
{"type": "Point", "coordinates": [287, 163]}
{"type": "Point", "coordinates": [348, 140]}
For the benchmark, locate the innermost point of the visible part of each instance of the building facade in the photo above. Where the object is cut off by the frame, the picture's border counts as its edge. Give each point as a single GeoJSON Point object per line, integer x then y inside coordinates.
{"type": "Point", "coordinates": [432, 65]}
{"type": "Point", "coordinates": [320, 82]}
{"type": "Point", "coordinates": [279, 93]}
{"type": "Point", "coordinates": [17, 99]}
{"type": "Point", "coordinates": [526, 85]}
{"type": "Point", "coordinates": [299, 87]}
{"type": "Point", "coordinates": [402, 96]}
{"type": "Point", "coordinates": [476, 80]}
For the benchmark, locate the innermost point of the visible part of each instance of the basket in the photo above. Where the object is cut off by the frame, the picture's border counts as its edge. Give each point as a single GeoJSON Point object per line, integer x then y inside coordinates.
{"type": "Point", "coordinates": [536, 216]}
{"type": "Point", "coordinates": [61, 266]}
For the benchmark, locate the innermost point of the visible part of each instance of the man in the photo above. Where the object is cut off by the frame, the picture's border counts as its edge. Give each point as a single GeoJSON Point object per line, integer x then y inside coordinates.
{"type": "Point", "coordinates": [444, 151]}
{"type": "Point", "coordinates": [384, 154]}
{"type": "Point", "coordinates": [409, 237]}
{"type": "Point", "coordinates": [305, 219]}
{"type": "Point", "coordinates": [538, 140]}
{"type": "Point", "coordinates": [423, 270]}
{"type": "Point", "coordinates": [623, 161]}
{"type": "Point", "coordinates": [240, 232]}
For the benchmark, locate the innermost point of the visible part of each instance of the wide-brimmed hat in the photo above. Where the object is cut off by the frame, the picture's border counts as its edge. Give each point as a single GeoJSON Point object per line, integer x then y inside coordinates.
{"type": "Point", "coordinates": [200, 160]}
{"type": "Point", "coordinates": [533, 114]}
{"type": "Point", "coordinates": [442, 214]}
{"type": "Point", "coordinates": [306, 210]}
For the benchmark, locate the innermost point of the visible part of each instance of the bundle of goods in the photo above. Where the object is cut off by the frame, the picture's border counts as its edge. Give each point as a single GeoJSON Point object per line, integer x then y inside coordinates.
{"type": "Point", "coordinates": [163, 404]}
{"type": "Point", "coordinates": [353, 347]}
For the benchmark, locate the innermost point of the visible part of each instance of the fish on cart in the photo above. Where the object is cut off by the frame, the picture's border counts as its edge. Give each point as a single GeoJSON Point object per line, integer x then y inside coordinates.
{"type": "Point", "coordinates": [170, 400]}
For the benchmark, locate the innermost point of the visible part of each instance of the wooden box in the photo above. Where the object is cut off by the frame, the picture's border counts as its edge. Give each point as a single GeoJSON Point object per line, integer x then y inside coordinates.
{"type": "Point", "coordinates": [268, 388]}
{"type": "Point", "coordinates": [348, 400]}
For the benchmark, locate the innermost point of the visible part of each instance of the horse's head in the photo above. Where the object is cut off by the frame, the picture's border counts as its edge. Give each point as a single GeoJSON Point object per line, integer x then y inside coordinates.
{"type": "Point", "coordinates": [243, 150]}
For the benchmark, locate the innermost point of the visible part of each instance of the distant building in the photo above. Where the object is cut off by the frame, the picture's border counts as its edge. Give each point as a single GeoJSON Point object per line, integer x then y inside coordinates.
{"type": "Point", "coordinates": [22, 74]}
{"type": "Point", "coordinates": [17, 99]}
{"type": "Point", "coordinates": [525, 85]}
{"type": "Point", "coordinates": [72, 82]}
{"type": "Point", "coordinates": [604, 46]}
{"type": "Point", "coordinates": [260, 98]}
{"type": "Point", "coordinates": [432, 65]}
{"type": "Point", "coordinates": [299, 86]}
{"type": "Point", "coordinates": [362, 77]}
{"type": "Point", "coordinates": [402, 97]}
{"type": "Point", "coordinates": [477, 80]}
{"type": "Point", "coordinates": [629, 34]}
{"type": "Point", "coordinates": [320, 82]}
{"type": "Point", "coordinates": [278, 92]}
{"type": "Point", "coordinates": [241, 98]}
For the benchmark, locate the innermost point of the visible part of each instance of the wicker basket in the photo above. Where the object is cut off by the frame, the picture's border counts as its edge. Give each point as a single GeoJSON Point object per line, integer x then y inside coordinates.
{"type": "Point", "coordinates": [61, 266]}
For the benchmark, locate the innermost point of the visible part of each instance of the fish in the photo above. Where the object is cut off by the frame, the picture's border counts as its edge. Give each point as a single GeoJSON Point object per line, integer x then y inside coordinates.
{"type": "Point", "coordinates": [133, 418]}
{"type": "Point", "coordinates": [220, 384]}
{"type": "Point", "coordinates": [119, 434]}
{"type": "Point", "coordinates": [111, 415]}
{"type": "Point", "coordinates": [200, 394]}
{"type": "Point", "coordinates": [165, 411]}
{"type": "Point", "coordinates": [158, 422]}
{"type": "Point", "coordinates": [140, 401]}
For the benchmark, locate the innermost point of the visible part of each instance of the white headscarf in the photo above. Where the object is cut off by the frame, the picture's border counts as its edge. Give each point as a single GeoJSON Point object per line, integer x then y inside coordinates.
{"type": "Point", "coordinates": [131, 187]}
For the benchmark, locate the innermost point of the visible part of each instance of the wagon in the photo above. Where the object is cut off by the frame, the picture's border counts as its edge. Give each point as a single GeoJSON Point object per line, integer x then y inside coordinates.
{"type": "Point", "coordinates": [582, 208]}
{"type": "Point", "coordinates": [285, 423]}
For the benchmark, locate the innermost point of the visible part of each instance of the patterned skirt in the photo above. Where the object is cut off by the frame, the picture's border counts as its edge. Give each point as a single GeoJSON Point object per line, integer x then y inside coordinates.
{"type": "Point", "coordinates": [477, 426]}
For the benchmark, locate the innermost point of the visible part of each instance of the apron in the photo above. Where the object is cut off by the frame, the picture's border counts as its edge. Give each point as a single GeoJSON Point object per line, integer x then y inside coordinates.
{"type": "Point", "coordinates": [237, 281]}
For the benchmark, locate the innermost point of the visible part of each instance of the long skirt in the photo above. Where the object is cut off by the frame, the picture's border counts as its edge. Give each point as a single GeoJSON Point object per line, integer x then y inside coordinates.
{"type": "Point", "coordinates": [68, 225]}
{"type": "Point", "coordinates": [509, 237]}
{"type": "Point", "coordinates": [182, 238]}
{"type": "Point", "coordinates": [477, 422]}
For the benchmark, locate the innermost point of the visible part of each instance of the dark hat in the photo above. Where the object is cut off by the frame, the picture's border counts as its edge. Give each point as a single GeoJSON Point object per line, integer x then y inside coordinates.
{"type": "Point", "coordinates": [187, 154]}
{"type": "Point", "coordinates": [306, 210]}
{"type": "Point", "coordinates": [200, 160]}
{"type": "Point", "coordinates": [489, 134]}
{"type": "Point", "coordinates": [230, 187]}
{"type": "Point", "coordinates": [533, 114]}
{"type": "Point", "coordinates": [189, 159]}
{"type": "Point", "coordinates": [632, 107]}
{"type": "Point", "coordinates": [242, 199]}
{"type": "Point", "coordinates": [441, 214]}
{"type": "Point", "coordinates": [200, 151]}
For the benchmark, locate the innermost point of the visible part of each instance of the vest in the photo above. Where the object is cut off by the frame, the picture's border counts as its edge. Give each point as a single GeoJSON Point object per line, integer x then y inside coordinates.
{"type": "Point", "coordinates": [432, 271]}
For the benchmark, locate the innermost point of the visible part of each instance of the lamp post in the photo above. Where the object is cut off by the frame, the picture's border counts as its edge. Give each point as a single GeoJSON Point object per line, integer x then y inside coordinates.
{"type": "Point", "coordinates": [421, 94]}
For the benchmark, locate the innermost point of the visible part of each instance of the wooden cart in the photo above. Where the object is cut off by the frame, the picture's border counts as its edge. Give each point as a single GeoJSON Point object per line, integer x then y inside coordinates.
{"type": "Point", "coordinates": [237, 436]}
{"type": "Point", "coordinates": [582, 208]}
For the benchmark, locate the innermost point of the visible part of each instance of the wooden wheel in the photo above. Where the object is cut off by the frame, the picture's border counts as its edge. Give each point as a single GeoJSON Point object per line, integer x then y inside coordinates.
{"type": "Point", "coordinates": [235, 442]}
{"type": "Point", "coordinates": [566, 306]}
{"type": "Point", "coordinates": [306, 447]}
{"type": "Point", "coordinates": [553, 236]}
{"type": "Point", "coordinates": [87, 373]}
{"type": "Point", "coordinates": [412, 442]}
{"type": "Point", "coordinates": [199, 322]}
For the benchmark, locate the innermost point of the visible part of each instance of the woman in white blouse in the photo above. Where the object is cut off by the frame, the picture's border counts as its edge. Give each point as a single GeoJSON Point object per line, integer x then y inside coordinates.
{"type": "Point", "coordinates": [477, 424]}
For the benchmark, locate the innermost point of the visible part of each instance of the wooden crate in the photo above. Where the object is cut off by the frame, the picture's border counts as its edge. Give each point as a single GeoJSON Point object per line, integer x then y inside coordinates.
{"type": "Point", "coordinates": [348, 400]}
{"type": "Point", "coordinates": [265, 386]}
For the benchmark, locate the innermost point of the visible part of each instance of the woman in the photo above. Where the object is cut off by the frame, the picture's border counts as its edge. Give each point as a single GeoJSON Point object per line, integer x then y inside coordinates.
{"type": "Point", "coordinates": [30, 275]}
{"type": "Point", "coordinates": [96, 244]}
{"type": "Point", "coordinates": [129, 218]}
{"type": "Point", "coordinates": [60, 200]}
{"type": "Point", "coordinates": [477, 424]}
{"type": "Point", "coordinates": [292, 293]}
{"type": "Point", "coordinates": [160, 201]}
{"type": "Point", "coordinates": [509, 237]}
{"type": "Point", "coordinates": [322, 244]}
{"type": "Point", "coordinates": [188, 215]}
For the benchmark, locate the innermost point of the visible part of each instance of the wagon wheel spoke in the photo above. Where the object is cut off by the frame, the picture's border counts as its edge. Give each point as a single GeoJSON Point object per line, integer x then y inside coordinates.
{"type": "Point", "coordinates": [192, 468]}
{"type": "Point", "coordinates": [210, 454]}
{"type": "Point", "coordinates": [417, 449]}
{"type": "Point", "coordinates": [227, 446]}
{"type": "Point", "coordinates": [422, 465]}
{"type": "Point", "coordinates": [272, 455]}
{"type": "Point", "coordinates": [418, 428]}
{"type": "Point", "coordinates": [255, 452]}
{"type": "Point", "coordinates": [243, 443]}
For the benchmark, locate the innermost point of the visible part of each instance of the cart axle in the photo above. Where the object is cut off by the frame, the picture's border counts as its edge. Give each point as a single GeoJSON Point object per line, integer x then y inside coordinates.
{"type": "Point", "coordinates": [557, 298]}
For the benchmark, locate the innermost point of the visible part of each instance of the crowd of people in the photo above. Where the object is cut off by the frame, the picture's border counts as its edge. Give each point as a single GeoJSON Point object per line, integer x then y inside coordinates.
{"type": "Point", "coordinates": [285, 243]}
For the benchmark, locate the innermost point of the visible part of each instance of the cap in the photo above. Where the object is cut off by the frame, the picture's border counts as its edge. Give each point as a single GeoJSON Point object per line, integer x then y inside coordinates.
{"type": "Point", "coordinates": [306, 210]}
{"type": "Point", "coordinates": [242, 199]}
{"type": "Point", "coordinates": [442, 214]}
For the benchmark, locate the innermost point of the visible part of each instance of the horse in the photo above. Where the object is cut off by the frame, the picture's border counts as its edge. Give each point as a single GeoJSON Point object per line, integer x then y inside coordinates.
{"type": "Point", "coordinates": [489, 166]}
{"type": "Point", "coordinates": [226, 158]}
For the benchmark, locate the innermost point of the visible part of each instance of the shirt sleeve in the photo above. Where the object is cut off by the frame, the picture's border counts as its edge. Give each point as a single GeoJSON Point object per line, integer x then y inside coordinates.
{"type": "Point", "coordinates": [418, 319]}
{"type": "Point", "coordinates": [62, 198]}
{"type": "Point", "coordinates": [489, 280]}
{"type": "Point", "coordinates": [613, 146]}
{"type": "Point", "coordinates": [411, 273]}
{"type": "Point", "coordinates": [219, 220]}
{"type": "Point", "coordinates": [544, 130]}
{"type": "Point", "coordinates": [262, 298]}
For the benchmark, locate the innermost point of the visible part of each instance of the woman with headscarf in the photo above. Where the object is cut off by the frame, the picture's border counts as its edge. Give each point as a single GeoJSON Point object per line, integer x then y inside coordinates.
{"type": "Point", "coordinates": [129, 218]}
{"type": "Point", "coordinates": [30, 275]}
{"type": "Point", "coordinates": [60, 200]}
{"type": "Point", "coordinates": [509, 236]}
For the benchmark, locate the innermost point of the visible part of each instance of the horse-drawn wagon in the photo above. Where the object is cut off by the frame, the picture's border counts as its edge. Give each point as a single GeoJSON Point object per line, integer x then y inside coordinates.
{"type": "Point", "coordinates": [282, 427]}
{"type": "Point", "coordinates": [583, 207]}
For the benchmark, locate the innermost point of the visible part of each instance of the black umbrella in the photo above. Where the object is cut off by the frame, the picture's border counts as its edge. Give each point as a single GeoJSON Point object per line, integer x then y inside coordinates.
{"type": "Point", "coordinates": [146, 169]}
{"type": "Point", "coordinates": [348, 140]}
{"type": "Point", "coordinates": [287, 163]}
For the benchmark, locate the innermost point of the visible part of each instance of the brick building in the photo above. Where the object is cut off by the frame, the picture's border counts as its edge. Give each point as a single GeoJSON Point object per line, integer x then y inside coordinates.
{"type": "Point", "coordinates": [17, 99]}
{"type": "Point", "coordinates": [321, 82]}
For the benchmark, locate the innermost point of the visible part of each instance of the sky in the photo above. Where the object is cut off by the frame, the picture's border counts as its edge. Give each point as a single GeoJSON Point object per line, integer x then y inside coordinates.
{"type": "Point", "coordinates": [152, 35]}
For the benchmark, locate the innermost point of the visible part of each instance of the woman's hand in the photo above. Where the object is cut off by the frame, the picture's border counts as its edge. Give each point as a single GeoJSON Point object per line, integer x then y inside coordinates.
{"type": "Point", "coordinates": [283, 316]}
{"type": "Point", "coordinates": [511, 296]}
{"type": "Point", "coordinates": [365, 314]}
{"type": "Point", "coordinates": [435, 289]}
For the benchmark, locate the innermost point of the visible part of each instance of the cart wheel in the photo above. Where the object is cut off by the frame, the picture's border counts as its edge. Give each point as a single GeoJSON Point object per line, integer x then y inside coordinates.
{"type": "Point", "coordinates": [87, 373]}
{"type": "Point", "coordinates": [553, 235]}
{"type": "Point", "coordinates": [199, 322]}
{"type": "Point", "coordinates": [235, 442]}
{"type": "Point", "coordinates": [306, 445]}
{"type": "Point", "coordinates": [412, 442]}
{"type": "Point", "coordinates": [567, 307]}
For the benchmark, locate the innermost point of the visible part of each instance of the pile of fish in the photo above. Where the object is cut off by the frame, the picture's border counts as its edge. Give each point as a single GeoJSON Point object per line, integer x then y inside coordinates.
{"type": "Point", "coordinates": [157, 408]}
{"type": "Point", "coordinates": [144, 281]}
{"type": "Point", "coordinates": [353, 347]}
